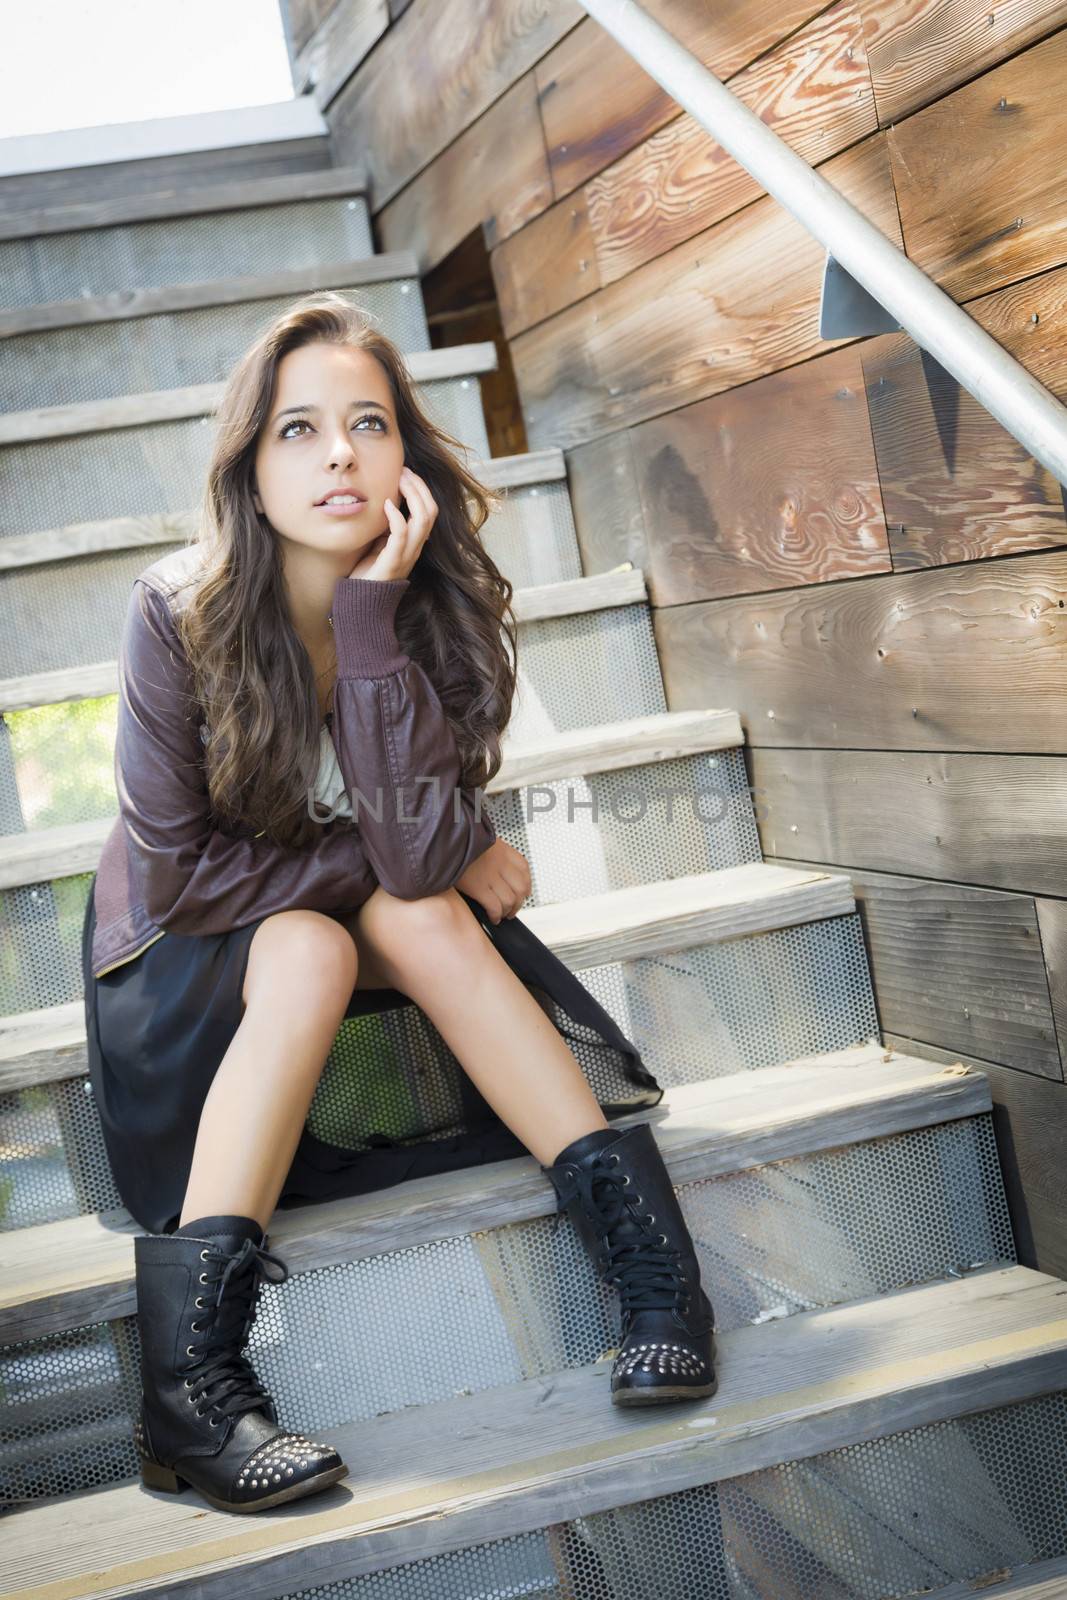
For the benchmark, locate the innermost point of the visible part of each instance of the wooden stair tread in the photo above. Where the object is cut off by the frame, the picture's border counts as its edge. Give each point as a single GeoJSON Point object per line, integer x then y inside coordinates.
{"type": "Point", "coordinates": [179, 527]}
{"type": "Point", "coordinates": [201, 399]}
{"type": "Point", "coordinates": [163, 299]}
{"type": "Point", "coordinates": [41, 854]}
{"type": "Point", "coordinates": [435, 1477]}
{"type": "Point", "coordinates": [535, 603]}
{"type": "Point", "coordinates": [67, 1274]}
{"type": "Point", "coordinates": [618, 925]}
{"type": "Point", "coordinates": [177, 202]}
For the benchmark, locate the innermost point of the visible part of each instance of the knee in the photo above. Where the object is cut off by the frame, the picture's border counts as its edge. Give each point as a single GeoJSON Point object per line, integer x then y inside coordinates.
{"type": "Point", "coordinates": [434, 921]}
{"type": "Point", "coordinates": [306, 951]}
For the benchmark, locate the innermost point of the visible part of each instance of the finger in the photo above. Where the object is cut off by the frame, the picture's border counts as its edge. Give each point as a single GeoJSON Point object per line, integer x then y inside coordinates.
{"type": "Point", "coordinates": [420, 502]}
{"type": "Point", "coordinates": [492, 905]}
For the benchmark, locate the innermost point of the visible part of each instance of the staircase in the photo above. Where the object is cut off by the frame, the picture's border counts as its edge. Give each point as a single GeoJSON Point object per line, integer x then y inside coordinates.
{"type": "Point", "coordinates": [892, 1410]}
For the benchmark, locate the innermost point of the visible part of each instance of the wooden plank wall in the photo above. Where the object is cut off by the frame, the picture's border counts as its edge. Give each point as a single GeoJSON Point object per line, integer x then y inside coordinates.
{"type": "Point", "coordinates": [838, 541]}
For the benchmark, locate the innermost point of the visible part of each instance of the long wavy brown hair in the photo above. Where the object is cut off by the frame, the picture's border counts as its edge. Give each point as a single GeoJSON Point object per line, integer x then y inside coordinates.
{"type": "Point", "coordinates": [253, 676]}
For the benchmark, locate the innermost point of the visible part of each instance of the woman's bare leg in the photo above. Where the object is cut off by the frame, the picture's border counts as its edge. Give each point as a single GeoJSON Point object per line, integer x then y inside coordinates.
{"type": "Point", "coordinates": [302, 968]}
{"type": "Point", "coordinates": [435, 951]}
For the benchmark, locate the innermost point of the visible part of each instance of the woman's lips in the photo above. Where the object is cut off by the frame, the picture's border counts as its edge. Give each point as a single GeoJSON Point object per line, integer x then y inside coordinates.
{"type": "Point", "coordinates": [342, 511]}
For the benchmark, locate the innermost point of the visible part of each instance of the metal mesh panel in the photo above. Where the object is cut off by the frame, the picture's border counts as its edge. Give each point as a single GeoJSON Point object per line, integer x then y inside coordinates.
{"type": "Point", "coordinates": [69, 613]}
{"type": "Point", "coordinates": [910, 1512]}
{"type": "Point", "coordinates": [455, 406]}
{"type": "Point", "coordinates": [531, 537]}
{"type": "Point", "coordinates": [42, 924]}
{"type": "Point", "coordinates": [635, 825]}
{"type": "Point", "coordinates": [68, 1405]}
{"type": "Point", "coordinates": [611, 830]}
{"type": "Point", "coordinates": [693, 1014]}
{"type": "Point", "coordinates": [522, 1301]}
{"type": "Point", "coordinates": [88, 477]}
{"type": "Point", "coordinates": [138, 471]}
{"type": "Point", "coordinates": [742, 1004]}
{"type": "Point", "coordinates": [221, 244]}
{"type": "Point", "coordinates": [97, 361]}
{"type": "Point", "coordinates": [581, 670]}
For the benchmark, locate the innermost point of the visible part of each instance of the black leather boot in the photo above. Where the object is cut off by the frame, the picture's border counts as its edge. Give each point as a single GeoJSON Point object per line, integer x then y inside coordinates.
{"type": "Point", "coordinates": [617, 1192]}
{"type": "Point", "coordinates": [206, 1419]}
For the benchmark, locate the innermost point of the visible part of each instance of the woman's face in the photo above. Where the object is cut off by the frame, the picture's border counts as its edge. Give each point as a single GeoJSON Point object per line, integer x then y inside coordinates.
{"type": "Point", "coordinates": [339, 433]}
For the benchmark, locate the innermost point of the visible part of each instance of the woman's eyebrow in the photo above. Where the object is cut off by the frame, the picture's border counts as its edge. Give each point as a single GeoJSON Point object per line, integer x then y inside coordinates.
{"type": "Point", "coordinates": [289, 410]}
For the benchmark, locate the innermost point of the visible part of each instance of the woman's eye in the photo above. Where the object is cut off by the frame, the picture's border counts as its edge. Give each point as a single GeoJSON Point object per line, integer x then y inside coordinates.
{"type": "Point", "coordinates": [302, 422]}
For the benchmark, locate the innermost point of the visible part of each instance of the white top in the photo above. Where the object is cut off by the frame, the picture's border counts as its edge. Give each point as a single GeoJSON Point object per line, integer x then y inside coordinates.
{"type": "Point", "coordinates": [330, 783]}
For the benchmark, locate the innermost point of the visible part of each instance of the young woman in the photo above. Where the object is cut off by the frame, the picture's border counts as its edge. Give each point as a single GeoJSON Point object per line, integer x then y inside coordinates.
{"type": "Point", "coordinates": [311, 696]}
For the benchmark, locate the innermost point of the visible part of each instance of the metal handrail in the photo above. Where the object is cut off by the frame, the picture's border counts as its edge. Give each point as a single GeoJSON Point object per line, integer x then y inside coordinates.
{"type": "Point", "coordinates": [1009, 393]}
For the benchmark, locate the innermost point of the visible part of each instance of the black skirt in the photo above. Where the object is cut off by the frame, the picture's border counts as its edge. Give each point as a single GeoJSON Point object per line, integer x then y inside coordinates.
{"type": "Point", "coordinates": [158, 1027]}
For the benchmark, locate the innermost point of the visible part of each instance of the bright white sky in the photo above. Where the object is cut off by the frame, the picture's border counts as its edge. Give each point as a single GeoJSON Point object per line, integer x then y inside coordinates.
{"type": "Point", "coordinates": [80, 63]}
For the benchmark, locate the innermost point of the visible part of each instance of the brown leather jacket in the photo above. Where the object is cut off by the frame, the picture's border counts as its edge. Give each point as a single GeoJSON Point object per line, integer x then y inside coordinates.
{"type": "Point", "coordinates": [166, 865]}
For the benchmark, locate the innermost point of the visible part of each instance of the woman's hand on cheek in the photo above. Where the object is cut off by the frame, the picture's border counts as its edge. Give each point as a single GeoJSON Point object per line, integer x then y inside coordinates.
{"type": "Point", "coordinates": [393, 554]}
{"type": "Point", "coordinates": [499, 879]}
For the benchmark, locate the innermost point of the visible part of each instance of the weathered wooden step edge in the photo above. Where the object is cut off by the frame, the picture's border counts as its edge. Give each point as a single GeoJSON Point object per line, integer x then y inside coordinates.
{"type": "Point", "coordinates": [353, 272]}
{"type": "Point", "coordinates": [1038, 1580]}
{"type": "Point", "coordinates": [179, 527]}
{"type": "Point", "coordinates": [175, 204]}
{"type": "Point", "coordinates": [201, 399]}
{"type": "Point", "coordinates": [618, 925]}
{"type": "Point", "coordinates": [601, 591]}
{"type": "Point", "coordinates": [68, 1274]}
{"type": "Point", "coordinates": [40, 855]}
{"type": "Point", "coordinates": [441, 1477]}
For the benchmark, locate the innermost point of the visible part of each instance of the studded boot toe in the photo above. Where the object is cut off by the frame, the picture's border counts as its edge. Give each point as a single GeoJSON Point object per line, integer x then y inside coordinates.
{"type": "Point", "coordinates": [618, 1194]}
{"type": "Point", "coordinates": [206, 1419]}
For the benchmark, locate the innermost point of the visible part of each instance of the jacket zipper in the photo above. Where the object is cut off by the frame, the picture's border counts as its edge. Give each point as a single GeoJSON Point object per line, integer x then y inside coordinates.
{"type": "Point", "coordinates": [131, 956]}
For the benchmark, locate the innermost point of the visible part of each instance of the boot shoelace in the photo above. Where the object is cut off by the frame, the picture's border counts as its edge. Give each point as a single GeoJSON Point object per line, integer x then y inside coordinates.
{"type": "Point", "coordinates": [647, 1273]}
{"type": "Point", "coordinates": [223, 1379]}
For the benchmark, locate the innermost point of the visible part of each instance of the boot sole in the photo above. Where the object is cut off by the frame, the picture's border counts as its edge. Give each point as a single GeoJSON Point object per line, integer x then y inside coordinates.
{"type": "Point", "coordinates": [664, 1392]}
{"type": "Point", "coordinates": [164, 1479]}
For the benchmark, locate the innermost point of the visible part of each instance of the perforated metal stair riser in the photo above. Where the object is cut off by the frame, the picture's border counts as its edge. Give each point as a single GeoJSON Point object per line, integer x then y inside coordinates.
{"type": "Point", "coordinates": [499, 1304]}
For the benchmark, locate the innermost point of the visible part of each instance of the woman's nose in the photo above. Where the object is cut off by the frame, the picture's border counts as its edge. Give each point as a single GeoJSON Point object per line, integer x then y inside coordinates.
{"type": "Point", "coordinates": [341, 447]}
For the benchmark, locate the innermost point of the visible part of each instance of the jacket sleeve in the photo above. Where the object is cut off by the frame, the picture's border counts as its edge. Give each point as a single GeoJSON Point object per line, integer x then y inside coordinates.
{"type": "Point", "coordinates": [191, 877]}
{"type": "Point", "coordinates": [397, 752]}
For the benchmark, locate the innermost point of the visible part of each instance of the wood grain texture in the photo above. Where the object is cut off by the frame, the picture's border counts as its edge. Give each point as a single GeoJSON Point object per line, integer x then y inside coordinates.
{"type": "Point", "coordinates": [608, 519]}
{"type": "Point", "coordinates": [958, 966]}
{"type": "Point", "coordinates": [972, 657]}
{"type": "Point", "coordinates": [345, 36]}
{"type": "Point", "coordinates": [436, 70]}
{"type": "Point", "coordinates": [63, 1275]}
{"type": "Point", "coordinates": [1052, 924]}
{"type": "Point", "coordinates": [549, 265]}
{"type": "Point", "coordinates": [995, 820]}
{"type": "Point", "coordinates": [814, 89]}
{"type": "Point", "coordinates": [573, 595]}
{"type": "Point", "coordinates": [542, 1451]}
{"type": "Point", "coordinates": [767, 486]}
{"type": "Point", "coordinates": [677, 913]}
{"type": "Point", "coordinates": [469, 186]}
{"type": "Point", "coordinates": [919, 50]}
{"type": "Point", "coordinates": [1030, 1121]}
{"type": "Point", "coordinates": [981, 187]}
{"type": "Point", "coordinates": [956, 486]}
{"type": "Point", "coordinates": [304, 17]}
{"type": "Point", "coordinates": [597, 103]}
{"type": "Point", "coordinates": [737, 302]}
